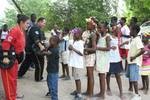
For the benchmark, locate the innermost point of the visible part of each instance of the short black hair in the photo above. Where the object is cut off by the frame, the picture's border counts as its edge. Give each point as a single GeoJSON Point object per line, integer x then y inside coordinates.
{"type": "Point", "coordinates": [33, 15]}
{"type": "Point", "coordinates": [66, 29]}
{"type": "Point", "coordinates": [134, 19]}
{"type": "Point", "coordinates": [40, 19]}
{"type": "Point", "coordinates": [5, 27]}
{"type": "Point", "coordinates": [136, 28]}
{"type": "Point", "coordinates": [114, 19]}
{"type": "Point", "coordinates": [123, 19]}
{"type": "Point", "coordinates": [22, 17]}
{"type": "Point", "coordinates": [105, 24]}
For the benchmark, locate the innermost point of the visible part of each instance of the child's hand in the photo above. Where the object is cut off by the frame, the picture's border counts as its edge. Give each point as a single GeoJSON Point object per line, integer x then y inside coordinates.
{"type": "Point", "coordinates": [132, 58]}
{"type": "Point", "coordinates": [113, 47]}
{"type": "Point", "coordinates": [6, 60]}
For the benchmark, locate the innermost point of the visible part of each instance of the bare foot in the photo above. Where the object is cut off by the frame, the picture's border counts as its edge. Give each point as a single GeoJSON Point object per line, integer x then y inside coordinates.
{"type": "Point", "coordinates": [100, 95]}
{"type": "Point", "coordinates": [121, 96]}
{"type": "Point", "coordinates": [109, 92]}
{"type": "Point", "coordinates": [142, 88]}
{"type": "Point", "coordinates": [90, 95]}
{"type": "Point", "coordinates": [130, 89]}
{"type": "Point", "coordinates": [145, 91]}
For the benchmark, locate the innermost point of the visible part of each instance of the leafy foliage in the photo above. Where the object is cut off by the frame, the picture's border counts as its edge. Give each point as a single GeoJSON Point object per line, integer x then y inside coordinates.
{"type": "Point", "coordinates": [139, 9]}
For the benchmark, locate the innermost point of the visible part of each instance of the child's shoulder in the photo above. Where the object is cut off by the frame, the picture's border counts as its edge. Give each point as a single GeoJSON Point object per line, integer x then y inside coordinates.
{"type": "Point", "coordinates": [81, 41]}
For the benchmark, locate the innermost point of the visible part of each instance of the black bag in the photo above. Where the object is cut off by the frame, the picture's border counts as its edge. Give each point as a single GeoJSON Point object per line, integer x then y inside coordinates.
{"type": "Point", "coordinates": [11, 57]}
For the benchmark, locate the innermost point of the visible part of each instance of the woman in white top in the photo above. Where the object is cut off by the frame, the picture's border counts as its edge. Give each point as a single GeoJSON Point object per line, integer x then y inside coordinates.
{"type": "Point", "coordinates": [115, 61]}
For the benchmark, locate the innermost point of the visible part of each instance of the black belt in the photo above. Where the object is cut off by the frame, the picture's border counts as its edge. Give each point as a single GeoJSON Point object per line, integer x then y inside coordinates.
{"type": "Point", "coordinates": [126, 36]}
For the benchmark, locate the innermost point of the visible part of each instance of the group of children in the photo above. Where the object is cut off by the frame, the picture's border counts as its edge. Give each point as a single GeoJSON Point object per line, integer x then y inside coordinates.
{"type": "Point", "coordinates": [98, 47]}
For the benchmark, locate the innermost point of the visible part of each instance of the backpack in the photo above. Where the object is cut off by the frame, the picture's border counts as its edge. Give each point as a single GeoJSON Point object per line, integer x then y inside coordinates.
{"type": "Point", "coordinates": [11, 57]}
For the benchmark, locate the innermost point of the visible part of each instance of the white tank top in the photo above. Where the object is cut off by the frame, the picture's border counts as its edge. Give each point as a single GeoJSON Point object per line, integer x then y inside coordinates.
{"type": "Point", "coordinates": [114, 54]}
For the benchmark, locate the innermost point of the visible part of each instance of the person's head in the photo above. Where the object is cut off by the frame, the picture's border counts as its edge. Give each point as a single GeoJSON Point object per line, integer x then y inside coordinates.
{"type": "Point", "coordinates": [91, 23]}
{"type": "Point", "coordinates": [90, 26]}
{"type": "Point", "coordinates": [134, 30]}
{"type": "Point", "coordinates": [145, 40]}
{"type": "Point", "coordinates": [77, 33]}
{"type": "Point", "coordinates": [65, 31]}
{"type": "Point", "coordinates": [23, 21]}
{"type": "Point", "coordinates": [115, 30]}
{"type": "Point", "coordinates": [41, 22]}
{"type": "Point", "coordinates": [133, 20]}
{"type": "Point", "coordinates": [54, 41]}
{"type": "Point", "coordinates": [56, 27]}
{"type": "Point", "coordinates": [5, 28]}
{"type": "Point", "coordinates": [33, 17]}
{"type": "Point", "coordinates": [114, 20]}
{"type": "Point", "coordinates": [123, 21]}
{"type": "Point", "coordinates": [103, 27]}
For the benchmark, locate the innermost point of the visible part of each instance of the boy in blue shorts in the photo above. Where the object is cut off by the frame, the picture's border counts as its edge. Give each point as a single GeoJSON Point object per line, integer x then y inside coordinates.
{"type": "Point", "coordinates": [135, 60]}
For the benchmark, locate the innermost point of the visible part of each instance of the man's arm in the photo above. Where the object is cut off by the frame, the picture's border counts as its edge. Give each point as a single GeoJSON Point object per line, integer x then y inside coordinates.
{"type": "Point", "coordinates": [35, 34]}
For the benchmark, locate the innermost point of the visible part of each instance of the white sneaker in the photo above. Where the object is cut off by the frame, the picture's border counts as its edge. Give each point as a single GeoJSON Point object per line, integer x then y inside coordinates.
{"type": "Point", "coordinates": [136, 97]}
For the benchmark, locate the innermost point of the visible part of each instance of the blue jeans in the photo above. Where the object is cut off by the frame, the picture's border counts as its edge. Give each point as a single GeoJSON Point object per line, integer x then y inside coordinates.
{"type": "Point", "coordinates": [52, 81]}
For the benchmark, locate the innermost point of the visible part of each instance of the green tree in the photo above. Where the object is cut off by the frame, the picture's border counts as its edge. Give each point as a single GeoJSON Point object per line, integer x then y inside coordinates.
{"type": "Point", "coordinates": [68, 13]}
{"type": "Point", "coordinates": [11, 17]}
{"type": "Point", "coordinates": [139, 9]}
{"type": "Point", "coordinates": [81, 9]}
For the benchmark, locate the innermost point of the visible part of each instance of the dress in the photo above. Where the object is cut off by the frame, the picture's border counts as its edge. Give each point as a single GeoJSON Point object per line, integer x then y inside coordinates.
{"type": "Point", "coordinates": [102, 57]}
{"type": "Point", "coordinates": [145, 69]}
{"type": "Point", "coordinates": [89, 57]}
{"type": "Point", "coordinates": [115, 59]}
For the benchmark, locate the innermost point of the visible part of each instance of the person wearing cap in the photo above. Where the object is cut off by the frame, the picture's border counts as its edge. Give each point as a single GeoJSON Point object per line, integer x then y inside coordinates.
{"type": "Point", "coordinates": [76, 48]}
{"type": "Point", "coordinates": [89, 52]}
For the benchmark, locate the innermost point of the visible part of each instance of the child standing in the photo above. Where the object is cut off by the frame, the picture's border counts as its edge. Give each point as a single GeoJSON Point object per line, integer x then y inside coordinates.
{"type": "Point", "coordinates": [115, 61]}
{"type": "Point", "coordinates": [135, 60]}
{"type": "Point", "coordinates": [102, 57]}
{"type": "Point", "coordinates": [53, 67]}
{"type": "Point", "coordinates": [124, 40]}
{"type": "Point", "coordinates": [64, 53]}
{"type": "Point", "coordinates": [76, 60]}
{"type": "Point", "coordinates": [145, 69]}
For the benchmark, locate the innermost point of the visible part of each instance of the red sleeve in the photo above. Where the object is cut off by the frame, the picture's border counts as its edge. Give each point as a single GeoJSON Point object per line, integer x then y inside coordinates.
{"type": "Point", "coordinates": [10, 40]}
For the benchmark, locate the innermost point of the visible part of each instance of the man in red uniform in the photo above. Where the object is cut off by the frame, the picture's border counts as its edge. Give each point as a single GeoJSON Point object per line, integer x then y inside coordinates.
{"type": "Point", "coordinates": [16, 38]}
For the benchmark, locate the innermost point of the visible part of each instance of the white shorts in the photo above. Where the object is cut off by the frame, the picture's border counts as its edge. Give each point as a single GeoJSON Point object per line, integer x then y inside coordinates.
{"type": "Point", "coordinates": [64, 57]}
{"type": "Point", "coordinates": [77, 73]}
{"type": "Point", "coordinates": [90, 60]}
